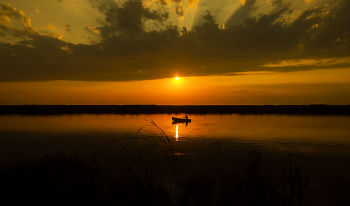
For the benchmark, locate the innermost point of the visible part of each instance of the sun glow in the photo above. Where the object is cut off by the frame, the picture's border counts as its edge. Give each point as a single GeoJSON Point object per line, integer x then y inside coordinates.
{"type": "Point", "coordinates": [176, 78]}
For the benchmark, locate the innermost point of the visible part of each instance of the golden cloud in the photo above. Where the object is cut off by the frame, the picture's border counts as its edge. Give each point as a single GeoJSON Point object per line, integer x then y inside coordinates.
{"type": "Point", "coordinates": [309, 62]}
{"type": "Point", "coordinates": [93, 29]}
{"type": "Point", "coordinates": [309, 1]}
{"type": "Point", "coordinates": [192, 3]}
{"type": "Point", "coordinates": [55, 36]}
{"type": "Point", "coordinates": [7, 14]}
{"type": "Point", "coordinates": [49, 26]}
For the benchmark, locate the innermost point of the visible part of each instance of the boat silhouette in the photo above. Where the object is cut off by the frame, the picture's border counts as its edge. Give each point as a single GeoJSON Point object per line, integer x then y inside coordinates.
{"type": "Point", "coordinates": [175, 119]}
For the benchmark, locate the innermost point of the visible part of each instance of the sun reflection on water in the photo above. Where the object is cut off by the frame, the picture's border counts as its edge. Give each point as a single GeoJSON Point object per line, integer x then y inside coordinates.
{"type": "Point", "coordinates": [177, 132]}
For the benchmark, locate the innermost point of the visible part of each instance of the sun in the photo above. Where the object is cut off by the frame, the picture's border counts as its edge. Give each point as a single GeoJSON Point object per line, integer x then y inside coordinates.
{"type": "Point", "coordinates": [176, 78]}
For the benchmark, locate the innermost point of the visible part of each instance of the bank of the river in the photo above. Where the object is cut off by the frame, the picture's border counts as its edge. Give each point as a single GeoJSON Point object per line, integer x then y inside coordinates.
{"type": "Point", "coordinates": [315, 109]}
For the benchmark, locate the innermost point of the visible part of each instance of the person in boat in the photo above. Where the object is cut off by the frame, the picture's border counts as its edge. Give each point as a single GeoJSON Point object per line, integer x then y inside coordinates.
{"type": "Point", "coordinates": [186, 116]}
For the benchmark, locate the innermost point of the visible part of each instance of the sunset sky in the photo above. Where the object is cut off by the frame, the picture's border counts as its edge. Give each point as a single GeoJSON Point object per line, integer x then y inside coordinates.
{"type": "Point", "coordinates": [130, 51]}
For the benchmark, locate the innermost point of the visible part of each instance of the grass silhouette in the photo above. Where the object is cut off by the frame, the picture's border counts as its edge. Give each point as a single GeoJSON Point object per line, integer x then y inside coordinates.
{"type": "Point", "coordinates": [152, 176]}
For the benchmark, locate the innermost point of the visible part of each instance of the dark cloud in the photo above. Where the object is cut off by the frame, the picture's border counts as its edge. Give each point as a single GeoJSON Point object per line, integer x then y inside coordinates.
{"type": "Point", "coordinates": [129, 18]}
{"type": "Point", "coordinates": [179, 10]}
{"type": "Point", "coordinates": [127, 51]}
{"type": "Point", "coordinates": [67, 27]}
{"type": "Point", "coordinates": [162, 2]}
{"type": "Point", "coordinates": [4, 29]}
{"type": "Point", "coordinates": [104, 5]}
{"type": "Point", "coordinates": [277, 2]}
{"type": "Point", "coordinates": [332, 32]}
{"type": "Point", "coordinates": [208, 17]}
{"type": "Point", "coordinates": [165, 2]}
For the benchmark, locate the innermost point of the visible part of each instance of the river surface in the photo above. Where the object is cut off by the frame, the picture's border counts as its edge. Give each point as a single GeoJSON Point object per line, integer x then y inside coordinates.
{"type": "Point", "coordinates": [325, 139]}
{"type": "Point", "coordinates": [327, 135]}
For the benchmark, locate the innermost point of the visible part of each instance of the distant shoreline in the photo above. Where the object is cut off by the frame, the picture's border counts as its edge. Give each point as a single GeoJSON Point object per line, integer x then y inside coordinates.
{"type": "Point", "coordinates": [313, 109]}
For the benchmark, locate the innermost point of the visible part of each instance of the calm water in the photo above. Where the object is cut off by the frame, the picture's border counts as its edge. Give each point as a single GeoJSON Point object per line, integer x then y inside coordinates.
{"type": "Point", "coordinates": [327, 135]}
{"type": "Point", "coordinates": [326, 140]}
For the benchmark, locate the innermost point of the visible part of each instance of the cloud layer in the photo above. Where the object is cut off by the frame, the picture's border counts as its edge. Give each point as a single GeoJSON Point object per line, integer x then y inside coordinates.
{"type": "Point", "coordinates": [129, 50]}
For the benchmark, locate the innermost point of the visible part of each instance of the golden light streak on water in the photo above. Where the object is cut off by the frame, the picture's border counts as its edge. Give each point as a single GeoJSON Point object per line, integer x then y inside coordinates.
{"type": "Point", "coordinates": [177, 132]}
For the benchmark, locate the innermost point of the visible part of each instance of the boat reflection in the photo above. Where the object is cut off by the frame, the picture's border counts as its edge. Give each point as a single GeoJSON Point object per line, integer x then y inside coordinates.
{"type": "Point", "coordinates": [180, 123]}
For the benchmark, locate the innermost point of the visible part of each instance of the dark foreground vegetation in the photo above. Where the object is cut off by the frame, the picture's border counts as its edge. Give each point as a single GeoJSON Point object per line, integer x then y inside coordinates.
{"type": "Point", "coordinates": [315, 109]}
{"type": "Point", "coordinates": [58, 179]}
{"type": "Point", "coordinates": [152, 177]}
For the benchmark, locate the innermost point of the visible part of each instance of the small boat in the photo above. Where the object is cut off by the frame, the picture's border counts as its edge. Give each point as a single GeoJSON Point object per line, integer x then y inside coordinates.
{"type": "Point", "coordinates": [175, 119]}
